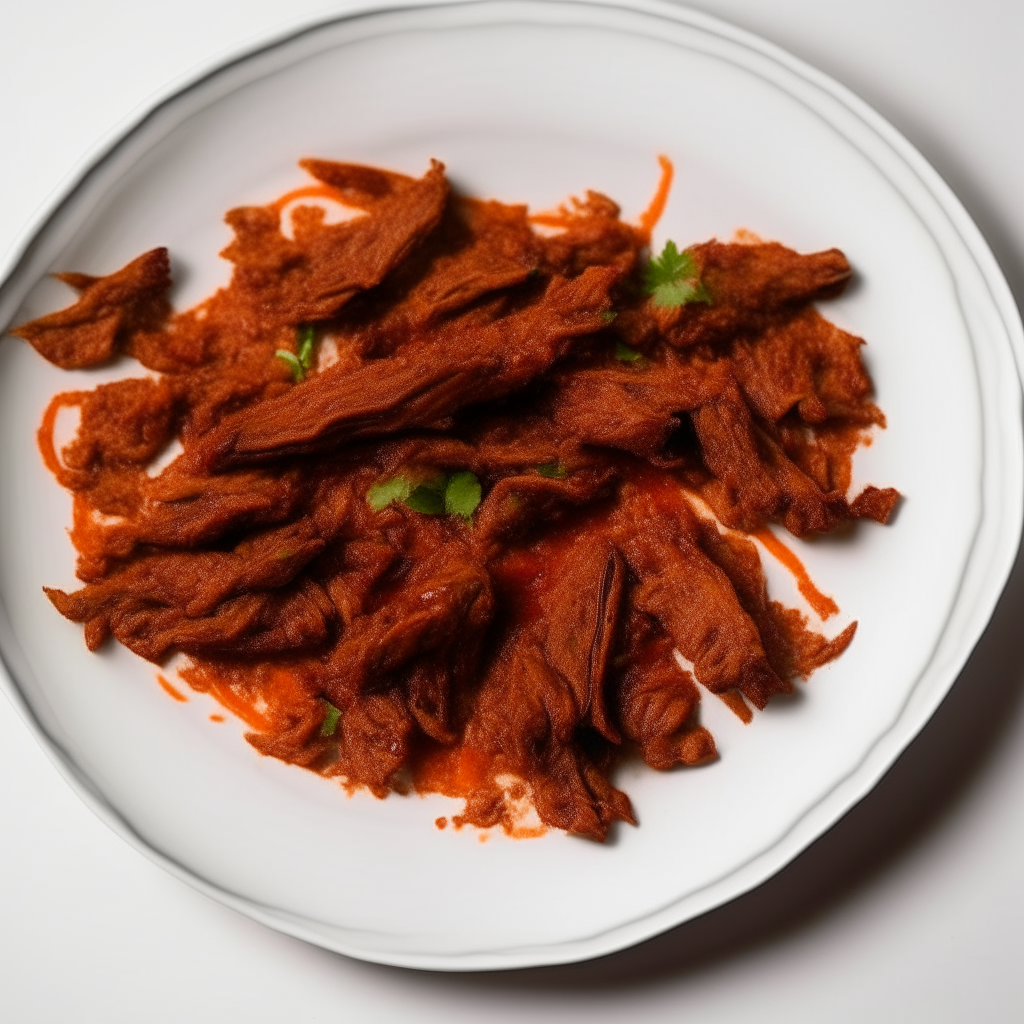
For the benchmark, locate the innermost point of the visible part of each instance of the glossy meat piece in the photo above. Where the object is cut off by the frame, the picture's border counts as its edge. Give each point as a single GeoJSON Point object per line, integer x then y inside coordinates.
{"type": "Point", "coordinates": [791, 647]}
{"type": "Point", "coordinates": [419, 386]}
{"type": "Point", "coordinates": [633, 407]}
{"type": "Point", "coordinates": [808, 365]}
{"type": "Point", "coordinates": [108, 312]}
{"type": "Point", "coordinates": [478, 249]}
{"type": "Point", "coordinates": [755, 480]}
{"type": "Point", "coordinates": [198, 601]}
{"type": "Point", "coordinates": [579, 623]}
{"type": "Point", "coordinates": [310, 277]}
{"type": "Point", "coordinates": [180, 511]}
{"type": "Point", "coordinates": [692, 599]}
{"type": "Point", "coordinates": [518, 504]}
{"type": "Point", "coordinates": [750, 285]}
{"type": "Point", "coordinates": [590, 235]}
{"type": "Point", "coordinates": [526, 719]}
{"type": "Point", "coordinates": [444, 603]}
{"type": "Point", "coordinates": [658, 700]}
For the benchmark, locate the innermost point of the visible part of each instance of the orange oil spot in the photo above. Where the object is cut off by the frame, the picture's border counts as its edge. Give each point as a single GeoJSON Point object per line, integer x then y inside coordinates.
{"type": "Point", "coordinates": [441, 823]}
{"type": "Point", "coordinates": [821, 603]}
{"type": "Point", "coordinates": [216, 718]}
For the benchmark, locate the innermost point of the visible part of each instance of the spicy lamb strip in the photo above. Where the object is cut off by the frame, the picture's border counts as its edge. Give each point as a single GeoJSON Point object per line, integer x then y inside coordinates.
{"type": "Point", "coordinates": [808, 365]}
{"type": "Point", "coordinates": [522, 502]}
{"type": "Point", "coordinates": [185, 511]}
{"type": "Point", "coordinates": [375, 733]}
{"type": "Point", "coordinates": [657, 700]}
{"type": "Point", "coordinates": [792, 648]}
{"type": "Point", "coordinates": [291, 619]}
{"type": "Point", "coordinates": [445, 599]}
{"type": "Point", "coordinates": [478, 249]}
{"type": "Point", "coordinates": [755, 481]}
{"type": "Point", "coordinates": [635, 407]}
{"type": "Point", "coordinates": [750, 286]}
{"type": "Point", "coordinates": [580, 620]}
{"type": "Point", "coordinates": [591, 235]}
{"type": "Point", "coordinates": [525, 721]}
{"type": "Point", "coordinates": [690, 596]}
{"type": "Point", "coordinates": [109, 310]}
{"type": "Point", "coordinates": [422, 384]}
{"type": "Point", "coordinates": [310, 277]}
{"type": "Point", "coordinates": [196, 584]}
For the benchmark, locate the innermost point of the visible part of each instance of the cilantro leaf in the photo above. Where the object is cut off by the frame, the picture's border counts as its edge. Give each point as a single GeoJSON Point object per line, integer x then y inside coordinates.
{"type": "Point", "coordinates": [305, 338]}
{"type": "Point", "coordinates": [291, 361]}
{"type": "Point", "coordinates": [608, 316]}
{"type": "Point", "coordinates": [330, 722]}
{"type": "Point", "coordinates": [625, 354]}
{"type": "Point", "coordinates": [552, 470]}
{"type": "Point", "coordinates": [384, 492]}
{"type": "Point", "coordinates": [462, 495]}
{"type": "Point", "coordinates": [427, 498]}
{"type": "Point", "coordinates": [673, 279]}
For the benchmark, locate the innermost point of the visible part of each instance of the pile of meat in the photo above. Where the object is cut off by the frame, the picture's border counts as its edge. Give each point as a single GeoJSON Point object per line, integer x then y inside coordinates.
{"type": "Point", "coordinates": [623, 448]}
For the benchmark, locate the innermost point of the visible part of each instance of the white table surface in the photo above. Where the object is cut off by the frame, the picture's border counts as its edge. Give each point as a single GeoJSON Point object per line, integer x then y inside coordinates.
{"type": "Point", "coordinates": [910, 909]}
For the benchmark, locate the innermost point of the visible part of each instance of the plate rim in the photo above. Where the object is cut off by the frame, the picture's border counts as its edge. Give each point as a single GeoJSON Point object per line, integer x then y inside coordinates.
{"type": "Point", "coordinates": [16, 277]}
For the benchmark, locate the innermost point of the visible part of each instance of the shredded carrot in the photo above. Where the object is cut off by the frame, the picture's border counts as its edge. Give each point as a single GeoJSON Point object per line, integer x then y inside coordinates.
{"type": "Point", "coordinates": [650, 217]}
{"type": "Point", "coordinates": [170, 689]}
{"type": "Point", "coordinates": [821, 603]}
{"type": "Point", "coordinates": [44, 436]}
{"type": "Point", "coordinates": [309, 192]}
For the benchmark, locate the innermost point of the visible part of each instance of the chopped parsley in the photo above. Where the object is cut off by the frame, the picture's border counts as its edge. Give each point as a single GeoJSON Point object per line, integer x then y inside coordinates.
{"type": "Point", "coordinates": [330, 722]}
{"type": "Point", "coordinates": [462, 495]}
{"type": "Point", "coordinates": [552, 470]}
{"type": "Point", "coordinates": [382, 493]}
{"type": "Point", "coordinates": [291, 360]}
{"type": "Point", "coordinates": [608, 316]}
{"type": "Point", "coordinates": [673, 279]}
{"type": "Point", "coordinates": [302, 362]}
{"type": "Point", "coordinates": [306, 339]}
{"type": "Point", "coordinates": [427, 498]}
{"type": "Point", "coordinates": [458, 495]}
{"type": "Point", "coordinates": [625, 354]}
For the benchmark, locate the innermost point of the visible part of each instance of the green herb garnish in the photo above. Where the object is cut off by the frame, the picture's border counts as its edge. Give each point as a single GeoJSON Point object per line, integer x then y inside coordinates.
{"type": "Point", "coordinates": [427, 498]}
{"type": "Point", "coordinates": [552, 470]}
{"type": "Point", "coordinates": [672, 279]}
{"type": "Point", "coordinates": [292, 362]}
{"type": "Point", "coordinates": [306, 339]}
{"type": "Point", "coordinates": [458, 495]}
{"type": "Point", "coordinates": [383, 493]}
{"type": "Point", "coordinates": [330, 722]}
{"type": "Point", "coordinates": [625, 354]}
{"type": "Point", "coordinates": [302, 362]}
{"type": "Point", "coordinates": [608, 316]}
{"type": "Point", "coordinates": [462, 495]}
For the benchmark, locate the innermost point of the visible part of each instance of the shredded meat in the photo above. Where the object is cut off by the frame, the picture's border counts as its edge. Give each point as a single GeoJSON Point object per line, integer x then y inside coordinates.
{"type": "Point", "coordinates": [460, 505]}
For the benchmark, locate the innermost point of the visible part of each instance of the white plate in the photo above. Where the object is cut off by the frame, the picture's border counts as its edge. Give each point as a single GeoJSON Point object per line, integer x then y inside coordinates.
{"type": "Point", "coordinates": [533, 101]}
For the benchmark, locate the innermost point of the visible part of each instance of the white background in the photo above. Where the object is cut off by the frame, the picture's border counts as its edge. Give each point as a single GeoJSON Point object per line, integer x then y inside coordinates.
{"type": "Point", "coordinates": [911, 909]}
